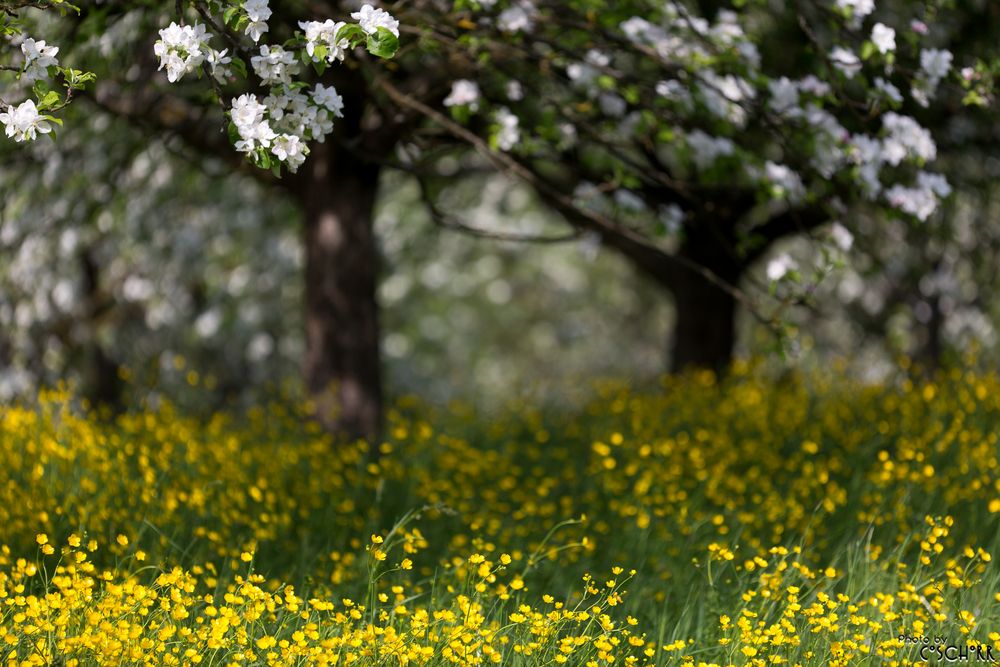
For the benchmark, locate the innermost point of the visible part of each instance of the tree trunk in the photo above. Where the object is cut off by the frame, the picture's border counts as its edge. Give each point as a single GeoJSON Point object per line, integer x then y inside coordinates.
{"type": "Point", "coordinates": [102, 385]}
{"type": "Point", "coordinates": [342, 366]}
{"type": "Point", "coordinates": [705, 328]}
{"type": "Point", "coordinates": [705, 319]}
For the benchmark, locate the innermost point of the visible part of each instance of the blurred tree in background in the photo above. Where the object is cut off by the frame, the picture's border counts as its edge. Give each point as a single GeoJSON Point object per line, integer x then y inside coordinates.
{"type": "Point", "coordinates": [680, 137]}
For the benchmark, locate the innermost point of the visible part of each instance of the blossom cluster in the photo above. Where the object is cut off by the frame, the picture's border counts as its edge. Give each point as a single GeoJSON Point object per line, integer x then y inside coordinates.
{"type": "Point", "coordinates": [182, 49]}
{"type": "Point", "coordinates": [38, 57]}
{"type": "Point", "coordinates": [717, 98]}
{"type": "Point", "coordinates": [25, 121]}
{"type": "Point", "coordinates": [275, 129]}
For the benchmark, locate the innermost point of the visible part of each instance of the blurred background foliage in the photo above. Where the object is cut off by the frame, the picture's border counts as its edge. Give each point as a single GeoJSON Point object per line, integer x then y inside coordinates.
{"type": "Point", "coordinates": [139, 261]}
{"type": "Point", "coordinates": [126, 254]}
{"type": "Point", "coordinates": [118, 253]}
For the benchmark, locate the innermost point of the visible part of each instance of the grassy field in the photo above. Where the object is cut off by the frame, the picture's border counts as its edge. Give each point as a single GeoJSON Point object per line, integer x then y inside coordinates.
{"type": "Point", "coordinates": [801, 521]}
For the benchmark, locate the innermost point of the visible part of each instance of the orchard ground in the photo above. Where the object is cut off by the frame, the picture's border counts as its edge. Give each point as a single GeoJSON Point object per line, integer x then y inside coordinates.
{"type": "Point", "coordinates": [803, 520]}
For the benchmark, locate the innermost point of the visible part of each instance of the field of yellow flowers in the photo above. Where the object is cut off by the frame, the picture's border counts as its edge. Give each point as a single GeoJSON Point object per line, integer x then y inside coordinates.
{"type": "Point", "coordinates": [755, 521]}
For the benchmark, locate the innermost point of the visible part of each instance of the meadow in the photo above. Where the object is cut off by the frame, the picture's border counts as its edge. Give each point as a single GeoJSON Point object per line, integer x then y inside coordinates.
{"type": "Point", "coordinates": [798, 520]}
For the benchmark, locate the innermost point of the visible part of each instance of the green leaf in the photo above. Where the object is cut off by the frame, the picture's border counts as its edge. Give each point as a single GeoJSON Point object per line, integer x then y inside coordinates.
{"type": "Point", "coordinates": [49, 100]}
{"type": "Point", "coordinates": [263, 158]}
{"type": "Point", "coordinates": [973, 98]}
{"type": "Point", "coordinates": [382, 43]}
{"type": "Point", "coordinates": [239, 66]}
{"type": "Point", "coordinates": [352, 33]}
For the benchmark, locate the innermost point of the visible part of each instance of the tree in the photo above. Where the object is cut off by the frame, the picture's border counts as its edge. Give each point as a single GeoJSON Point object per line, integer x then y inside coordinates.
{"type": "Point", "coordinates": [39, 68]}
{"type": "Point", "coordinates": [692, 137]}
{"type": "Point", "coordinates": [337, 189]}
{"type": "Point", "coordinates": [676, 134]}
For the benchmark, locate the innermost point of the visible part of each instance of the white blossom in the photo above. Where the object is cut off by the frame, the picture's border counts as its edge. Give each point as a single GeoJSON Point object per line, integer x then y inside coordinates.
{"type": "Point", "coordinates": [788, 183]}
{"type": "Point", "coordinates": [866, 152]}
{"type": "Point", "coordinates": [38, 57]}
{"type": "Point", "coordinates": [463, 93]}
{"type": "Point", "coordinates": [218, 63]}
{"type": "Point", "coordinates": [637, 28]}
{"type": "Point", "coordinates": [889, 90]}
{"type": "Point", "coordinates": [884, 38]}
{"type": "Point", "coordinates": [290, 149]}
{"type": "Point", "coordinates": [706, 149]}
{"type": "Point", "coordinates": [246, 111]}
{"type": "Point", "coordinates": [857, 10]}
{"type": "Point", "coordinates": [325, 34]}
{"type": "Point", "coordinates": [371, 19]}
{"type": "Point", "coordinates": [780, 266]}
{"type": "Point", "coordinates": [509, 133]}
{"type": "Point", "coordinates": [784, 96]}
{"type": "Point", "coordinates": [677, 92]}
{"type": "Point", "coordinates": [918, 202]}
{"type": "Point", "coordinates": [936, 63]}
{"type": "Point", "coordinates": [814, 86]}
{"type": "Point", "coordinates": [922, 200]}
{"type": "Point", "coordinates": [629, 201]}
{"type": "Point", "coordinates": [329, 98]}
{"type": "Point", "coordinates": [936, 183]}
{"type": "Point", "coordinates": [846, 61]}
{"type": "Point", "coordinates": [518, 17]}
{"type": "Point", "coordinates": [22, 123]}
{"type": "Point", "coordinates": [247, 114]}
{"type": "Point", "coordinates": [275, 65]}
{"type": "Point", "coordinates": [258, 12]}
{"type": "Point", "coordinates": [906, 138]}
{"type": "Point", "coordinates": [724, 96]}
{"type": "Point", "coordinates": [934, 66]}
{"type": "Point", "coordinates": [181, 49]}
{"type": "Point", "coordinates": [842, 238]}
{"type": "Point", "coordinates": [866, 149]}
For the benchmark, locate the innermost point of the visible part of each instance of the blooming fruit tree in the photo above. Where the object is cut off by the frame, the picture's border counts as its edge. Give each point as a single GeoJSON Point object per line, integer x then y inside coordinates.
{"type": "Point", "coordinates": [689, 136]}
{"type": "Point", "coordinates": [42, 84]}
{"type": "Point", "coordinates": [274, 129]}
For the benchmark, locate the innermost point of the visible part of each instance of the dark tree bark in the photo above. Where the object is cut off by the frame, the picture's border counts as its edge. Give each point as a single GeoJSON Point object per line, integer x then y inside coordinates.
{"type": "Point", "coordinates": [705, 325]}
{"type": "Point", "coordinates": [705, 328]}
{"type": "Point", "coordinates": [342, 366]}
{"type": "Point", "coordinates": [102, 385]}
